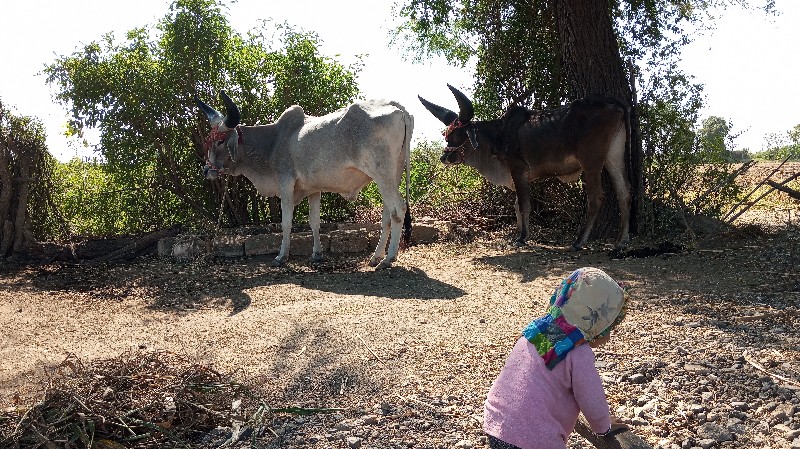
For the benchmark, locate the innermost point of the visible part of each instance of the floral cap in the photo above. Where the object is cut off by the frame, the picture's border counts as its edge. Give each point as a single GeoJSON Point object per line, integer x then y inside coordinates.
{"type": "Point", "coordinates": [586, 305]}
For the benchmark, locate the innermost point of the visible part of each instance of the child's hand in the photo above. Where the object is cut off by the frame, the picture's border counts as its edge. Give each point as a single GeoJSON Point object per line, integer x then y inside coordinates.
{"type": "Point", "coordinates": [617, 424]}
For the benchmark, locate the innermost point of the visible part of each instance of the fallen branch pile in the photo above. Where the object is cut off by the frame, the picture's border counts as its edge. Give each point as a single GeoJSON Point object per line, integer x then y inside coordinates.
{"type": "Point", "coordinates": [140, 399]}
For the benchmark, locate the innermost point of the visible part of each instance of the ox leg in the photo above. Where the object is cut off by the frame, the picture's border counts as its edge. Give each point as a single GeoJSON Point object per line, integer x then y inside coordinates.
{"type": "Point", "coordinates": [391, 222]}
{"type": "Point", "coordinates": [522, 206]}
{"type": "Point", "coordinates": [314, 201]}
{"type": "Point", "coordinates": [380, 251]}
{"type": "Point", "coordinates": [594, 200]}
{"type": "Point", "coordinates": [287, 212]}
{"type": "Point", "coordinates": [622, 190]}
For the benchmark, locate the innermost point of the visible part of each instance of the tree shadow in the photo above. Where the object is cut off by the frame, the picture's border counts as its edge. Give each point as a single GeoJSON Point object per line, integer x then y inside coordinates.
{"type": "Point", "coordinates": [223, 283]}
{"type": "Point", "coordinates": [536, 261]}
{"type": "Point", "coordinates": [316, 367]}
{"type": "Point", "coordinates": [395, 283]}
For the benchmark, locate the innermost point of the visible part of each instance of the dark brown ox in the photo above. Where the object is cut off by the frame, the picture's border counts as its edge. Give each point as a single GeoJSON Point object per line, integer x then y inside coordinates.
{"type": "Point", "coordinates": [524, 145]}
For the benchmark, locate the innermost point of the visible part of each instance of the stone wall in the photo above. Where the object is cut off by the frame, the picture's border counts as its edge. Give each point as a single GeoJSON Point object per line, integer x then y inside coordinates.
{"type": "Point", "coordinates": [336, 238]}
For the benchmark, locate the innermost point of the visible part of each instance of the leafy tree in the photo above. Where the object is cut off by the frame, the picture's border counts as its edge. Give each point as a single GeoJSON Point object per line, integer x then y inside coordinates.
{"type": "Point", "coordinates": [93, 201]}
{"type": "Point", "coordinates": [794, 135]}
{"type": "Point", "coordinates": [139, 94]}
{"type": "Point", "coordinates": [27, 212]}
{"type": "Point", "coordinates": [782, 147]}
{"type": "Point", "coordinates": [713, 134]}
{"type": "Point", "coordinates": [539, 53]}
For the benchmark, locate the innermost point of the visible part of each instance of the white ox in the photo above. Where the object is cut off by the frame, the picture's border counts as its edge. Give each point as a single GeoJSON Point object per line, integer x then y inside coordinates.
{"type": "Point", "coordinates": [300, 156]}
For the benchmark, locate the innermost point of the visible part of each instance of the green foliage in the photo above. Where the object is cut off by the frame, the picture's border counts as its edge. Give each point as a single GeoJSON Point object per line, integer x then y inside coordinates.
{"type": "Point", "coordinates": [713, 134]}
{"type": "Point", "coordinates": [26, 182]}
{"type": "Point", "coordinates": [790, 152]}
{"type": "Point", "coordinates": [680, 161]}
{"type": "Point", "coordinates": [437, 186]}
{"type": "Point", "coordinates": [81, 195]}
{"type": "Point", "coordinates": [518, 59]}
{"type": "Point", "coordinates": [435, 189]}
{"type": "Point", "coordinates": [139, 93]}
{"type": "Point", "coordinates": [782, 147]}
{"type": "Point", "coordinates": [95, 201]}
{"type": "Point", "coordinates": [516, 49]}
{"type": "Point", "coordinates": [512, 43]}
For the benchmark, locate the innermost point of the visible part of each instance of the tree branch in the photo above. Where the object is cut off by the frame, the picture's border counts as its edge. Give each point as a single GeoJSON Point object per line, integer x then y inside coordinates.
{"type": "Point", "coordinates": [786, 181]}
{"type": "Point", "coordinates": [137, 246]}
{"type": "Point", "coordinates": [791, 192]}
{"type": "Point", "coordinates": [733, 209]}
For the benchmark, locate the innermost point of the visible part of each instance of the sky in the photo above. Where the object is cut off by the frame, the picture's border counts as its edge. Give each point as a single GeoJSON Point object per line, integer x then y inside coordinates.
{"type": "Point", "coordinates": [749, 64]}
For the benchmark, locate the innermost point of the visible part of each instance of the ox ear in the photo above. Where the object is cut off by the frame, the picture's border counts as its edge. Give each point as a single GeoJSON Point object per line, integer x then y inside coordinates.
{"type": "Point", "coordinates": [232, 147]}
{"type": "Point", "coordinates": [232, 117]}
{"type": "Point", "coordinates": [444, 115]}
{"type": "Point", "coordinates": [214, 117]}
{"type": "Point", "coordinates": [473, 138]}
{"type": "Point", "coordinates": [465, 109]}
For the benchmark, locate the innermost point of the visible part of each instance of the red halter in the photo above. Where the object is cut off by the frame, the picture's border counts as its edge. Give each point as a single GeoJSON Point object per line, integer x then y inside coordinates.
{"type": "Point", "coordinates": [459, 149]}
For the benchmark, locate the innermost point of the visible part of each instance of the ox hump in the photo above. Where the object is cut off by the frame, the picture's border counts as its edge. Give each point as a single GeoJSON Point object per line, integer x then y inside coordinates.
{"type": "Point", "coordinates": [292, 118]}
{"type": "Point", "coordinates": [379, 108]}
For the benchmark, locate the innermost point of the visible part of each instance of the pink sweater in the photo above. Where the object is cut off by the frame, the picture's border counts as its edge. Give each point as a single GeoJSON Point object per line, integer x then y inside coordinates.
{"type": "Point", "coordinates": [532, 407]}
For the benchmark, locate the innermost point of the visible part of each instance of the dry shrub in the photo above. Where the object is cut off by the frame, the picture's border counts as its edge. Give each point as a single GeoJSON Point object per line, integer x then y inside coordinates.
{"type": "Point", "coordinates": [139, 399]}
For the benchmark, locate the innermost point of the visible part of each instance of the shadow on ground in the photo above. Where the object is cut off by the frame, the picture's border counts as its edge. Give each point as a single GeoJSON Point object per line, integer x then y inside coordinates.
{"type": "Point", "coordinates": [224, 283]}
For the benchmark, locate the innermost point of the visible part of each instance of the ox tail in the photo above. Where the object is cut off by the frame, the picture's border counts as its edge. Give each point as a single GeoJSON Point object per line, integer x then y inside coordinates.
{"type": "Point", "coordinates": [408, 120]}
{"type": "Point", "coordinates": [633, 170]}
{"type": "Point", "coordinates": [629, 146]}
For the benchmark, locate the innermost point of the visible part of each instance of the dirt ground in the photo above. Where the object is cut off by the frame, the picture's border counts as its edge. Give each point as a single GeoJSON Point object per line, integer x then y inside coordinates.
{"type": "Point", "coordinates": [708, 356]}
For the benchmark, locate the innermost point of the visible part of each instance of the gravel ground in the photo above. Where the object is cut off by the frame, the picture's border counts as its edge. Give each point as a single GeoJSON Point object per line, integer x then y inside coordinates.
{"type": "Point", "coordinates": [708, 356]}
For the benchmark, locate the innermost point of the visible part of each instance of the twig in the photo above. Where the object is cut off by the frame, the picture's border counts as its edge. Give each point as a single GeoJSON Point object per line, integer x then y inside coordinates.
{"type": "Point", "coordinates": [723, 183]}
{"type": "Point", "coordinates": [43, 439]}
{"type": "Point", "coordinates": [125, 425]}
{"type": "Point", "coordinates": [171, 435]}
{"type": "Point", "coordinates": [733, 209]}
{"type": "Point", "coordinates": [789, 313]}
{"type": "Point", "coordinates": [759, 367]}
{"type": "Point", "coordinates": [786, 181]}
{"type": "Point", "coordinates": [25, 415]}
{"type": "Point", "coordinates": [75, 398]}
{"type": "Point", "coordinates": [623, 439]}
{"type": "Point", "coordinates": [370, 349]}
{"type": "Point", "coordinates": [205, 409]}
{"type": "Point", "coordinates": [682, 211]}
{"type": "Point", "coordinates": [791, 192]}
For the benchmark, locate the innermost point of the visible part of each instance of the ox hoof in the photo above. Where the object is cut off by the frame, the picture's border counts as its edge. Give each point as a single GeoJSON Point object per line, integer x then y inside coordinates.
{"type": "Point", "coordinates": [519, 243]}
{"type": "Point", "coordinates": [374, 261]}
{"type": "Point", "coordinates": [575, 247]}
{"type": "Point", "coordinates": [277, 262]}
{"type": "Point", "coordinates": [317, 258]}
{"type": "Point", "coordinates": [383, 265]}
{"type": "Point", "coordinates": [622, 243]}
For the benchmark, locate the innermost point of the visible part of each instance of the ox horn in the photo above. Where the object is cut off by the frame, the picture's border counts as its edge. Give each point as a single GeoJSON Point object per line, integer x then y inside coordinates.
{"type": "Point", "coordinates": [465, 109]}
{"type": "Point", "coordinates": [232, 118]}
{"type": "Point", "coordinates": [211, 113]}
{"type": "Point", "coordinates": [444, 115]}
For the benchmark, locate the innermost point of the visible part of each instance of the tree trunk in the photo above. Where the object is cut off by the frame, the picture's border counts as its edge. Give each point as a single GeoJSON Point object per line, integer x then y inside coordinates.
{"type": "Point", "coordinates": [21, 215]}
{"type": "Point", "coordinates": [6, 189]}
{"type": "Point", "coordinates": [138, 246]}
{"type": "Point", "coordinates": [6, 195]}
{"type": "Point", "coordinates": [593, 66]}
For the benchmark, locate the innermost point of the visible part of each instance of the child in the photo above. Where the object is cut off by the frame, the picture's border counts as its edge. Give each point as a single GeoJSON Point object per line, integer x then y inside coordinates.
{"type": "Point", "coordinates": [550, 376]}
